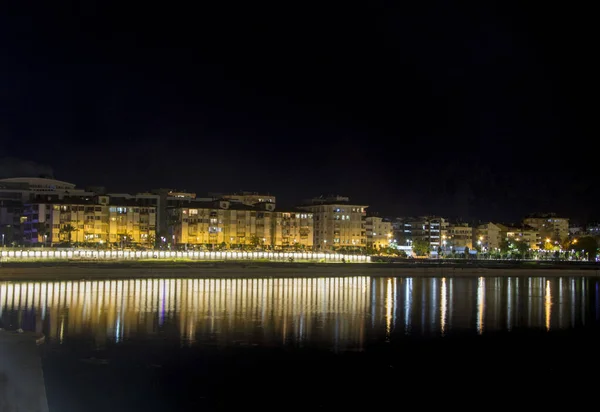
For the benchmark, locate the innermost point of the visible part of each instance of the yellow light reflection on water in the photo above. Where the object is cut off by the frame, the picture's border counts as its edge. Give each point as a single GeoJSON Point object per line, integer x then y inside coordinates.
{"type": "Point", "coordinates": [388, 309]}
{"type": "Point", "coordinates": [226, 310]}
{"type": "Point", "coordinates": [344, 311]}
{"type": "Point", "coordinates": [548, 304]}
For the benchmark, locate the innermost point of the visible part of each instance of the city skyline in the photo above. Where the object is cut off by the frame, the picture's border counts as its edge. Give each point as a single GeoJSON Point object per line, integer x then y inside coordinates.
{"type": "Point", "coordinates": [47, 212]}
{"type": "Point", "coordinates": [286, 204]}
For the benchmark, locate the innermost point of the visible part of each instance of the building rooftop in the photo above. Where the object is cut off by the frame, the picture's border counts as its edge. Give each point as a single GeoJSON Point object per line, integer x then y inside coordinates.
{"type": "Point", "coordinates": [292, 210]}
{"type": "Point", "coordinates": [515, 227]}
{"type": "Point", "coordinates": [39, 183]}
{"type": "Point", "coordinates": [86, 201]}
{"type": "Point", "coordinates": [544, 216]}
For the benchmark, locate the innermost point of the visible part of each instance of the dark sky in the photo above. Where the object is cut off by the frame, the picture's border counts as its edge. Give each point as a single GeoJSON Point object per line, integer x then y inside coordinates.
{"type": "Point", "coordinates": [461, 109]}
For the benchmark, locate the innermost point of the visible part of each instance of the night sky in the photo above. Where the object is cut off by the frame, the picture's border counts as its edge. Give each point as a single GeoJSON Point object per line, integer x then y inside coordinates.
{"type": "Point", "coordinates": [464, 110]}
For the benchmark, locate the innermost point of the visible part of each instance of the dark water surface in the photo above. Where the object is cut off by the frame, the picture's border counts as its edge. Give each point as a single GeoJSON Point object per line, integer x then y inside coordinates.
{"type": "Point", "coordinates": [310, 343]}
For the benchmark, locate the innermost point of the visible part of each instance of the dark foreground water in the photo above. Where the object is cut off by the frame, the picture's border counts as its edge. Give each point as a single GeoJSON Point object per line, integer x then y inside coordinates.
{"type": "Point", "coordinates": [355, 343]}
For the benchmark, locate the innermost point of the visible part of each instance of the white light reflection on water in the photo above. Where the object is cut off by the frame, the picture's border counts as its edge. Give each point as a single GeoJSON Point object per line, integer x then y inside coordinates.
{"type": "Point", "coordinates": [560, 302]}
{"type": "Point", "coordinates": [597, 287]}
{"type": "Point", "coordinates": [408, 299]}
{"type": "Point", "coordinates": [583, 301]}
{"type": "Point", "coordinates": [395, 283]}
{"type": "Point", "coordinates": [443, 307]}
{"type": "Point", "coordinates": [573, 302]}
{"type": "Point", "coordinates": [433, 310]}
{"type": "Point", "coordinates": [509, 306]}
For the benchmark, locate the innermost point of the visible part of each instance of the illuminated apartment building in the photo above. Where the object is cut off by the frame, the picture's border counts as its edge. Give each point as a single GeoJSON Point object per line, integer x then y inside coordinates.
{"type": "Point", "coordinates": [225, 223]}
{"type": "Point", "coordinates": [459, 235]}
{"type": "Point", "coordinates": [379, 232]}
{"type": "Point", "coordinates": [18, 191]}
{"type": "Point", "coordinates": [130, 222]}
{"type": "Point", "coordinates": [337, 223]}
{"type": "Point", "coordinates": [294, 229]}
{"type": "Point", "coordinates": [526, 234]}
{"type": "Point", "coordinates": [490, 235]}
{"type": "Point", "coordinates": [424, 228]}
{"type": "Point", "coordinates": [88, 220]}
{"type": "Point", "coordinates": [549, 225]}
{"type": "Point", "coordinates": [220, 222]}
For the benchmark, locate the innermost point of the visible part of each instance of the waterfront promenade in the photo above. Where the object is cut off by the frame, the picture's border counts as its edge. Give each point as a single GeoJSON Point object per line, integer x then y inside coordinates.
{"type": "Point", "coordinates": [90, 269]}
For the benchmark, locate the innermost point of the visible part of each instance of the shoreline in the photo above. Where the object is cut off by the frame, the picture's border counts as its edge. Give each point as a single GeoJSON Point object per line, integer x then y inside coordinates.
{"type": "Point", "coordinates": [82, 270]}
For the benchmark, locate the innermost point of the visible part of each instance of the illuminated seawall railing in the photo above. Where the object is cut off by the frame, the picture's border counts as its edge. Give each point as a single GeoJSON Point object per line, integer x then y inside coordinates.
{"type": "Point", "coordinates": [8, 255]}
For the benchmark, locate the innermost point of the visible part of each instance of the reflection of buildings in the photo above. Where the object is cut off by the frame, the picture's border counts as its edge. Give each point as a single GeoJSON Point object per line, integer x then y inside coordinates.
{"type": "Point", "coordinates": [439, 306]}
{"type": "Point", "coordinates": [266, 311]}
{"type": "Point", "coordinates": [341, 312]}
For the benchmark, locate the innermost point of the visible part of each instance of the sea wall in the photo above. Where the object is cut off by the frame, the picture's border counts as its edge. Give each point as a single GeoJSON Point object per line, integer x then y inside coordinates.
{"type": "Point", "coordinates": [22, 387]}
